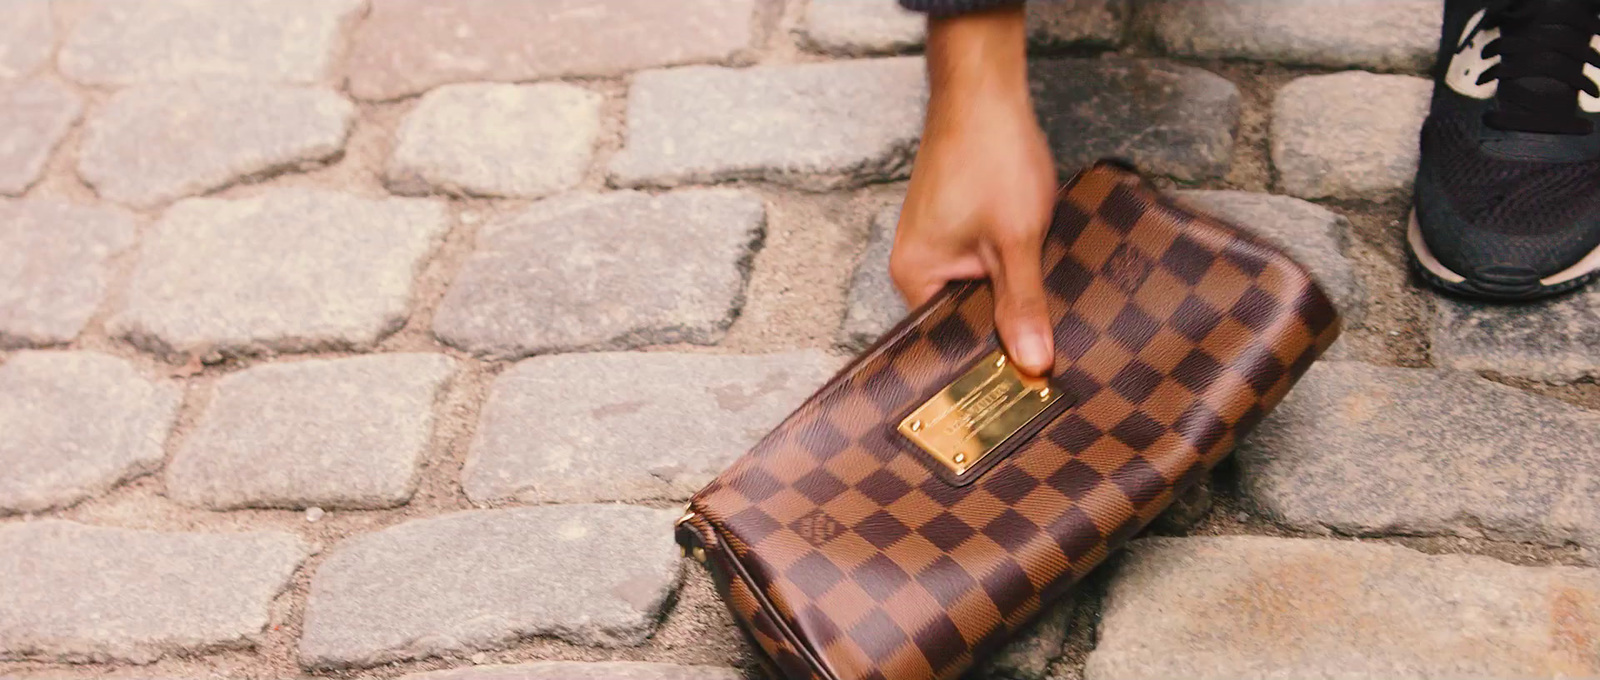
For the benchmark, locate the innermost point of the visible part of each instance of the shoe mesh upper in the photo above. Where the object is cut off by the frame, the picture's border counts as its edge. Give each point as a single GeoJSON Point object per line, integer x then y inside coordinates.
{"type": "Point", "coordinates": [1517, 198]}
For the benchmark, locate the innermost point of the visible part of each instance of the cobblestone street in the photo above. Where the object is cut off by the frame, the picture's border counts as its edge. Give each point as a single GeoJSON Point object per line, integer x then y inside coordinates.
{"type": "Point", "coordinates": [383, 338]}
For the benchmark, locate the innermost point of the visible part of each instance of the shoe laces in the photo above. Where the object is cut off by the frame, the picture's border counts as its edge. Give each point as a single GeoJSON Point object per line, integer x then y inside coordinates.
{"type": "Point", "coordinates": [1543, 47]}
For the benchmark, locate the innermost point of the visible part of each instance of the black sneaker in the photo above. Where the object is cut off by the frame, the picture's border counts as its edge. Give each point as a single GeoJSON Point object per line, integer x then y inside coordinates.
{"type": "Point", "coordinates": [1507, 201]}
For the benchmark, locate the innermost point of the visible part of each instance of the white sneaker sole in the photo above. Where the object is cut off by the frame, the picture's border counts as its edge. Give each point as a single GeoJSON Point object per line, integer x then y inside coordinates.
{"type": "Point", "coordinates": [1419, 248]}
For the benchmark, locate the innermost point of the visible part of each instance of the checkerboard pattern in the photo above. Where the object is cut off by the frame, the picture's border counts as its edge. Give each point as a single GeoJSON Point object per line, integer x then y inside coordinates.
{"type": "Point", "coordinates": [849, 559]}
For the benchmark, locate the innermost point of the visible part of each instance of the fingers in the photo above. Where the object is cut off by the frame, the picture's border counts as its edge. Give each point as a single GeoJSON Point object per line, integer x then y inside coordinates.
{"type": "Point", "coordinates": [921, 266]}
{"type": "Point", "coordinates": [914, 277]}
{"type": "Point", "coordinates": [1021, 311]}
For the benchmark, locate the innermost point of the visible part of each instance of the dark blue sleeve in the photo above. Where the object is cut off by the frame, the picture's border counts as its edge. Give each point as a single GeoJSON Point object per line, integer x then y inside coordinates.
{"type": "Point", "coordinates": [941, 8]}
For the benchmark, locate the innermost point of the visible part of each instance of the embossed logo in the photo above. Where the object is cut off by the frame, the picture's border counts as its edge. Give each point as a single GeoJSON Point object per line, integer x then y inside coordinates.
{"type": "Point", "coordinates": [817, 527]}
{"type": "Point", "coordinates": [1127, 268]}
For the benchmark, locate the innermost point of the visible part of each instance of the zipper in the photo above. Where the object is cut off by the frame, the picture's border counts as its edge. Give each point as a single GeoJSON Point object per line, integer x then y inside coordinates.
{"type": "Point", "coordinates": [691, 549]}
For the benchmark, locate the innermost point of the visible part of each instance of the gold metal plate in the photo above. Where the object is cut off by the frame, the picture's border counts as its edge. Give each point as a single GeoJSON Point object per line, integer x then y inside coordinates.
{"type": "Point", "coordinates": [974, 415]}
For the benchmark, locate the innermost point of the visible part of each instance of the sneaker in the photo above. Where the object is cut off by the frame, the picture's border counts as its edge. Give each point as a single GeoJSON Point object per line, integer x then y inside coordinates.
{"type": "Point", "coordinates": [1507, 202]}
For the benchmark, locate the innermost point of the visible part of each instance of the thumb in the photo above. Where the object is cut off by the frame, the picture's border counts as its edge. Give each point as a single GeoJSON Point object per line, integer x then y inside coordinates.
{"type": "Point", "coordinates": [1021, 312]}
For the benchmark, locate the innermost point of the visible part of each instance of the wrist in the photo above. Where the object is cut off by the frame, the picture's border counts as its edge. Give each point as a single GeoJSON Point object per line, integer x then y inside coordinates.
{"type": "Point", "coordinates": [982, 54]}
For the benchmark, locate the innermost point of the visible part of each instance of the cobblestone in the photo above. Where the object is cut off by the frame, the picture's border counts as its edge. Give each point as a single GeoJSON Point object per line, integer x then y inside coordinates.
{"type": "Point", "coordinates": [605, 271]}
{"type": "Point", "coordinates": [1167, 118]}
{"type": "Point", "coordinates": [54, 267]}
{"type": "Point", "coordinates": [1056, 24]}
{"type": "Point", "coordinates": [524, 141]}
{"type": "Point", "coordinates": [578, 427]}
{"type": "Point", "coordinates": [153, 144]}
{"type": "Point", "coordinates": [576, 670]}
{"type": "Point", "coordinates": [406, 47]}
{"type": "Point", "coordinates": [270, 439]}
{"type": "Point", "coordinates": [814, 126]}
{"type": "Point", "coordinates": [303, 350]}
{"type": "Point", "coordinates": [129, 42]}
{"type": "Point", "coordinates": [856, 27]}
{"type": "Point", "coordinates": [1348, 135]}
{"type": "Point", "coordinates": [589, 574]}
{"type": "Point", "coordinates": [27, 37]}
{"type": "Point", "coordinates": [34, 117]}
{"type": "Point", "coordinates": [1417, 451]}
{"type": "Point", "coordinates": [76, 424]}
{"type": "Point", "coordinates": [1256, 607]}
{"type": "Point", "coordinates": [1389, 35]}
{"type": "Point", "coordinates": [287, 270]}
{"type": "Point", "coordinates": [1556, 340]}
{"type": "Point", "coordinates": [79, 593]}
{"type": "Point", "coordinates": [873, 305]}
{"type": "Point", "coordinates": [859, 27]}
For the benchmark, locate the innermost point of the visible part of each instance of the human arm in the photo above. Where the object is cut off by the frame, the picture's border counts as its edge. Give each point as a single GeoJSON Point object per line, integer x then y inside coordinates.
{"type": "Point", "coordinates": [983, 185]}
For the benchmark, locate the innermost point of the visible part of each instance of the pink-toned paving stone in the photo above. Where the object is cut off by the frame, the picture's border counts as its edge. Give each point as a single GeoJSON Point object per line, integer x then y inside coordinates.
{"type": "Point", "coordinates": [76, 424]}
{"type": "Point", "coordinates": [35, 115]}
{"type": "Point", "coordinates": [328, 433]}
{"type": "Point", "coordinates": [1229, 607]}
{"type": "Point", "coordinates": [153, 144]}
{"type": "Point", "coordinates": [27, 36]}
{"type": "Point", "coordinates": [488, 139]}
{"type": "Point", "coordinates": [79, 593]}
{"type": "Point", "coordinates": [55, 267]}
{"type": "Point", "coordinates": [407, 47]}
{"type": "Point", "coordinates": [285, 270]}
{"type": "Point", "coordinates": [129, 42]}
{"type": "Point", "coordinates": [815, 126]}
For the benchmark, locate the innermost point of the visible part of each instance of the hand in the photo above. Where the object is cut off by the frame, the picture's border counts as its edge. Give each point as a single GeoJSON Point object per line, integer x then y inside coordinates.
{"type": "Point", "coordinates": [982, 190]}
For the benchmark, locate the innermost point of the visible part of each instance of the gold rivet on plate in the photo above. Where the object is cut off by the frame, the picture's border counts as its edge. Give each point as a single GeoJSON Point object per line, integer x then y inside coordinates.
{"type": "Point", "coordinates": [916, 426]}
{"type": "Point", "coordinates": [1044, 393]}
{"type": "Point", "coordinates": [1000, 362]}
{"type": "Point", "coordinates": [960, 458]}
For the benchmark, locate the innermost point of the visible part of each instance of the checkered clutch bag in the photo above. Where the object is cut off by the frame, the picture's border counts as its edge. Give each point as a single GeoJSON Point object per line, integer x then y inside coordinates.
{"type": "Point", "coordinates": [928, 500]}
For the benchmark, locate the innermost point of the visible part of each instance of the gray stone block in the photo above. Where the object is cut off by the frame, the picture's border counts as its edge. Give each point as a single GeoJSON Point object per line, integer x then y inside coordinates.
{"type": "Point", "coordinates": [76, 424]}
{"type": "Point", "coordinates": [605, 271]}
{"type": "Point", "coordinates": [1226, 608]}
{"type": "Point", "coordinates": [1555, 340]}
{"type": "Point", "coordinates": [854, 27]}
{"type": "Point", "coordinates": [815, 126]}
{"type": "Point", "coordinates": [406, 47]}
{"type": "Point", "coordinates": [1167, 118]}
{"type": "Point", "coordinates": [525, 141]}
{"type": "Point", "coordinates": [1077, 23]}
{"type": "Point", "coordinates": [589, 574]}
{"type": "Point", "coordinates": [857, 27]}
{"type": "Point", "coordinates": [129, 42]}
{"type": "Point", "coordinates": [78, 593]}
{"type": "Point", "coordinates": [35, 116]}
{"type": "Point", "coordinates": [1380, 34]}
{"type": "Point", "coordinates": [1361, 449]}
{"type": "Point", "coordinates": [578, 670]}
{"type": "Point", "coordinates": [340, 433]}
{"type": "Point", "coordinates": [873, 304]}
{"type": "Point", "coordinates": [287, 270]}
{"type": "Point", "coordinates": [54, 267]}
{"type": "Point", "coordinates": [629, 426]}
{"type": "Point", "coordinates": [27, 37]}
{"type": "Point", "coordinates": [1348, 135]}
{"type": "Point", "coordinates": [153, 144]}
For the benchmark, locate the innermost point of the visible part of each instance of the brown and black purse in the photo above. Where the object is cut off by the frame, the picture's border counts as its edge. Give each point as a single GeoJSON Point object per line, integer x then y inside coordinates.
{"type": "Point", "coordinates": [928, 500]}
